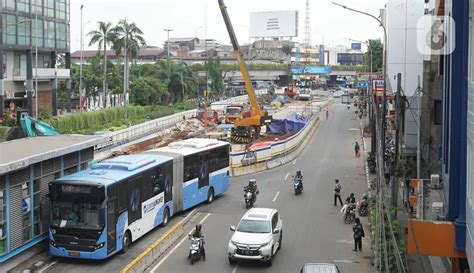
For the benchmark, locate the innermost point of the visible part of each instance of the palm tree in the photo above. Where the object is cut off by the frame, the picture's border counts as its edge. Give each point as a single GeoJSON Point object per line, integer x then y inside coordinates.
{"type": "Point", "coordinates": [129, 39]}
{"type": "Point", "coordinates": [104, 36]}
{"type": "Point", "coordinates": [178, 77]}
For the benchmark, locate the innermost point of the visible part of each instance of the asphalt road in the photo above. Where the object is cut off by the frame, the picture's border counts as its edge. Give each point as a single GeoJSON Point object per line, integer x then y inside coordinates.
{"type": "Point", "coordinates": [313, 229]}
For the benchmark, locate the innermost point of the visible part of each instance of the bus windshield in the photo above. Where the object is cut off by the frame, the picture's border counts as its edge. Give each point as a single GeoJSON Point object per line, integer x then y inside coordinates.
{"type": "Point", "coordinates": [77, 206]}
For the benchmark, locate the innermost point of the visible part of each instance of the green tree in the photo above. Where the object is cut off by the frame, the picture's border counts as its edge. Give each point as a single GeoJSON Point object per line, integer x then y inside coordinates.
{"type": "Point", "coordinates": [92, 75]}
{"type": "Point", "coordinates": [148, 91]}
{"type": "Point", "coordinates": [128, 38]}
{"type": "Point", "coordinates": [287, 49]}
{"type": "Point", "coordinates": [214, 71]}
{"type": "Point", "coordinates": [376, 47]}
{"type": "Point", "coordinates": [103, 37]}
{"type": "Point", "coordinates": [178, 77]}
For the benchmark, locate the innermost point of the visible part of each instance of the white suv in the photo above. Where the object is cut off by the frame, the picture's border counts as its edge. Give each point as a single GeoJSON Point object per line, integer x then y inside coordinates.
{"type": "Point", "coordinates": [257, 237]}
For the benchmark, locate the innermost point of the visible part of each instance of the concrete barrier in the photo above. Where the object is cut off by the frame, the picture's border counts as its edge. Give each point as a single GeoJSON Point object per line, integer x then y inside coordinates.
{"type": "Point", "coordinates": [279, 152]}
{"type": "Point", "coordinates": [153, 252]}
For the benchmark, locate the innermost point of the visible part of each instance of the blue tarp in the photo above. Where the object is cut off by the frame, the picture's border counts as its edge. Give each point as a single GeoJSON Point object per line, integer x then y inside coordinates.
{"type": "Point", "coordinates": [291, 124]}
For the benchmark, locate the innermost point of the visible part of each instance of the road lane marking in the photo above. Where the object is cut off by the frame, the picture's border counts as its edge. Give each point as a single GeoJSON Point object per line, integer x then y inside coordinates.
{"type": "Point", "coordinates": [294, 162]}
{"type": "Point", "coordinates": [276, 196]}
{"type": "Point", "coordinates": [286, 177]}
{"type": "Point", "coordinates": [345, 242]}
{"type": "Point", "coordinates": [176, 247]}
{"type": "Point", "coordinates": [235, 269]}
{"type": "Point", "coordinates": [354, 129]}
{"type": "Point", "coordinates": [345, 261]}
{"type": "Point", "coordinates": [47, 267]}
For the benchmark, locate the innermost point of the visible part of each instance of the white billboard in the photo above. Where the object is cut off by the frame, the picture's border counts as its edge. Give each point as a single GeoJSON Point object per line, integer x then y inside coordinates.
{"type": "Point", "coordinates": [274, 24]}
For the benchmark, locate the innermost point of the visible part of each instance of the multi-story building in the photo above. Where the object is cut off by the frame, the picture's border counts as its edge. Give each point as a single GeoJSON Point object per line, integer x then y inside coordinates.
{"type": "Point", "coordinates": [446, 205]}
{"type": "Point", "coordinates": [29, 27]}
{"type": "Point", "coordinates": [307, 56]}
{"type": "Point", "coordinates": [180, 47]}
{"type": "Point", "coordinates": [146, 55]}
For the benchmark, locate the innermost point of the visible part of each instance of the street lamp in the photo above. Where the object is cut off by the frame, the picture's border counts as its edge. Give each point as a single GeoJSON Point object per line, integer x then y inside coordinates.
{"type": "Point", "coordinates": [80, 64]}
{"type": "Point", "coordinates": [384, 106]}
{"type": "Point", "coordinates": [168, 30]}
{"type": "Point", "coordinates": [2, 92]}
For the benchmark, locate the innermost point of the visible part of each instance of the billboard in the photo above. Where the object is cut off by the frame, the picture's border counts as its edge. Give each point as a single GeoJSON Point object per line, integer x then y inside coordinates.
{"type": "Point", "coordinates": [356, 46]}
{"type": "Point", "coordinates": [311, 70]}
{"type": "Point", "coordinates": [274, 24]}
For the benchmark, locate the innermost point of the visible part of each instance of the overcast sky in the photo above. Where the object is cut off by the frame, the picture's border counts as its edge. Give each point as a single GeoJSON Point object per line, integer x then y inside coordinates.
{"type": "Point", "coordinates": [189, 17]}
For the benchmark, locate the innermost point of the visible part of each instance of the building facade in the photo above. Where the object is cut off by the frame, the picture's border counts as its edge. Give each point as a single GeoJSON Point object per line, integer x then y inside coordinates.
{"type": "Point", "coordinates": [28, 25]}
{"type": "Point", "coordinates": [400, 18]}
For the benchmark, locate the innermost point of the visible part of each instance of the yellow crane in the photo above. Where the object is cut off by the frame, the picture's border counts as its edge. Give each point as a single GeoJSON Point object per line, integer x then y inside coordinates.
{"type": "Point", "coordinates": [247, 129]}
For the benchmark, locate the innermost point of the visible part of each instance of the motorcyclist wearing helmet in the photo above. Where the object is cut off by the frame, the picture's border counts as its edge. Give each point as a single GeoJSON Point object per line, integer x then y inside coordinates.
{"type": "Point", "coordinates": [252, 187]}
{"type": "Point", "coordinates": [197, 233]}
{"type": "Point", "coordinates": [300, 177]}
{"type": "Point", "coordinates": [351, 199]}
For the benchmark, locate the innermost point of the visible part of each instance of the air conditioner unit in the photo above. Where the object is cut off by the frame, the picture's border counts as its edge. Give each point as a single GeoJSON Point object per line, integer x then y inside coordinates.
{"type": "Point", "coordinates": [435, 181]}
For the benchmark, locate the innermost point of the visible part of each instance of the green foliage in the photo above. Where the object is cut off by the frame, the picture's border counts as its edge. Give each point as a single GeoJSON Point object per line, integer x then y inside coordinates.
{"type": "Point", "coordinates": [406, 169]}
{"type": "Point", "coordinates": [45, 112]}
{"type": "Point", "coordinates": [177, 77]}
{"type": "Point", "coordinates": [376, 47]}
{"type": "Point", "coordinates": [90, 122]}
{"type": "Point", "coordinates": [287, 49]}
{"type": "Point", "coordinates": [214, 70]}
{"type": "Point", "coordinates": [3, 133]}
{"type": "Point", "coordinates": [148, 91]}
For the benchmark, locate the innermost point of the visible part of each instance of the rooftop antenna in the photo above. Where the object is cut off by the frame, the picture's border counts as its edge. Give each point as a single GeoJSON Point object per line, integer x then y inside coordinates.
{"type": "Point", "coordinates": [307, 27]}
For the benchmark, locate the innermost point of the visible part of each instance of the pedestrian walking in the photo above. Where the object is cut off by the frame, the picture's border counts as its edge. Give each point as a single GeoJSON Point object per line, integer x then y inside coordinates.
{"type": "Point", "coordinates": [357, 149]}
{"type": "Point", "coordinates": [358, 230]}
{"type": "Point", "coordinates": [327, 114]}
{"type": "Point", "coordinates": [337, 193]}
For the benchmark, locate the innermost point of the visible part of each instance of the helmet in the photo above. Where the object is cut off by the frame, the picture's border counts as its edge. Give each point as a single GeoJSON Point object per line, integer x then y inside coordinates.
{"type": "Point", "coordinates": [365, 195]}
{"type": "Point", "coordinates": [252, 181]}
{"type": "Point", "coordinates": [298, 172]}
{"type": "Point", "coordinates": [337, 180]}
{"type": "Point", "coordinates": [198, 227]}
{"type": "Point", "coordinates": [352, 194]}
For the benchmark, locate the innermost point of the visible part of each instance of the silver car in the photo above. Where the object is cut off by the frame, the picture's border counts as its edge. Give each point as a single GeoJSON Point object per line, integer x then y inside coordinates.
{"type": "Point", "coordinates": [257, 237]}
{"type": "Point", "coordinates": [319, 268]}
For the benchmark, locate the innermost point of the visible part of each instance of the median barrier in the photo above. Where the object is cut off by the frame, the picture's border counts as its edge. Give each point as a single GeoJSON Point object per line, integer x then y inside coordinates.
{"type": "Point", "coordinates": [148, 257]}
{"type": "Point", "coordinates": [275, 154]}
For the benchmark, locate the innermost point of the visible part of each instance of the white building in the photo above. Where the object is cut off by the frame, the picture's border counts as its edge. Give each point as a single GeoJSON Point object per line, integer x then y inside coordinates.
{"type": "Point", "coordinates": [400, 18]}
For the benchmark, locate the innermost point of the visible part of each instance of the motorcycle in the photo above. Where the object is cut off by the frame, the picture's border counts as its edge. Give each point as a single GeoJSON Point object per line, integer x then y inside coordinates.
{"type": "Point", "coordinates": [250, 198]}
{"type": "Point", "coordinates": [349, 213]}
{"type": "Point", "coordinates": [363, 207]}
{"type": "Point", "coordinates": [195, 252]}
{"type": "Point", "coordinates": [297, 185]}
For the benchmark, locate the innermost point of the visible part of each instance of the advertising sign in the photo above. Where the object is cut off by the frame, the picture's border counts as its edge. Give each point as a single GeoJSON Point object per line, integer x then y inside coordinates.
{"type": "Point", "coordinates": [311, 70]}
{"type": "Point", "coordinates": [356, 46]}
{"type": "Point", "coordinates": [274, 24]}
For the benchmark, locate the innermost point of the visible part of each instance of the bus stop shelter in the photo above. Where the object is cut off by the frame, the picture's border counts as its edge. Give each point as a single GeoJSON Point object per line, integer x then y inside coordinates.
{"type": "Point", "coordinates": [26, 167]}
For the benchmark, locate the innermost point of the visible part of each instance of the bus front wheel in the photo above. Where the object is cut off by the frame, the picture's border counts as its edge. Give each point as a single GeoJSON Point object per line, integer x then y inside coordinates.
{"type": "Point", "coordinates": [127, 241]}
{"type": "Point", "coordinates": [210, 196]}
{"type": "Point", "coordinates": [166, 217]}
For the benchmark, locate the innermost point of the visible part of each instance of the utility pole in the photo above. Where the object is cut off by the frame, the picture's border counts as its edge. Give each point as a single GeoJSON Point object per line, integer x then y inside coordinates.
{"type": "Point", "coordinates": [125, 74]}
{"type": "Point", "coordinates": [168, 30]}
{"type": "Point", "coordinates": [80, 64]}
{"type": "Point", "coordinates": [36, 61]}
{"type": "Point", "coordinates": [397, 142]}
{"type": "Point", "coordinates": [418, 148]}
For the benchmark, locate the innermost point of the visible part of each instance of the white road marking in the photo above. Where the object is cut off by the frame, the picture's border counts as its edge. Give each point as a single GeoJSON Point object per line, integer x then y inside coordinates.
{"type": "Point", "coordinates": [286, 177]}
{"type": "Point", "coordinates": [176, 246]}
{"type": "Point", "coordinates": [294, 162]}
{"type": "Point", "coordinates": [276, 196]}
{"type": "Point", "coordinates": [46, 267]}
{"type": "Point", "coordinates": [354, 129]}
{"type": "Point", "coordinates": [345, 261]}
{"type": "Point", "coordinates": [235, 269]}
{"type": "Point", "coordinates": [345, 242]}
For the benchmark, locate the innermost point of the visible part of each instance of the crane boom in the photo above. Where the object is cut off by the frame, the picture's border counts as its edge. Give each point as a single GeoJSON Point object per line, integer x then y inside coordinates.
{"type": "Point", "coordinates": [255, 109]}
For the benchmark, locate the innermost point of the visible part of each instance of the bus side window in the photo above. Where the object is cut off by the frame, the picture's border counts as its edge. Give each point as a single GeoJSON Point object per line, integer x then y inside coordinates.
{"type": "Point", "coordinates": [157, 180]}
{"type": "Point", "coordinates": [191, 163]}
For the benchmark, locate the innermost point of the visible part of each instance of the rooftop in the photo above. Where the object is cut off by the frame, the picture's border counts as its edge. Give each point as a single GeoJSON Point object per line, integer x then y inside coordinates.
{"type": "Point", "coordinates": [21, 153]}
{"type": "Point", "coordinates": [185, 39]}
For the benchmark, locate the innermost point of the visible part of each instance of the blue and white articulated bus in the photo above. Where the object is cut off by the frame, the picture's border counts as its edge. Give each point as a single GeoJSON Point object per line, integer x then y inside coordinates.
{"type": "Point", "coordinates": [100, 211]}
